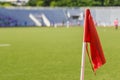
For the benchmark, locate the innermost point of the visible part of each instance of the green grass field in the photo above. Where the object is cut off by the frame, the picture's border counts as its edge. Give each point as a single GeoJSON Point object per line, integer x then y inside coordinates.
{"type": "Point", "coordinates": [54, 54]}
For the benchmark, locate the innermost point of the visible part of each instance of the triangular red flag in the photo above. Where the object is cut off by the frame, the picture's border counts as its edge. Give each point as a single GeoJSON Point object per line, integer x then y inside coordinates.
{"type": "Point", "coordinates": [91, 36]}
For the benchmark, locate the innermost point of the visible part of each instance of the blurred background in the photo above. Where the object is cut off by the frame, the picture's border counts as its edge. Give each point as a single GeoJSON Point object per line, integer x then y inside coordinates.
{"type": "Point", "coordinates": [57, 12]}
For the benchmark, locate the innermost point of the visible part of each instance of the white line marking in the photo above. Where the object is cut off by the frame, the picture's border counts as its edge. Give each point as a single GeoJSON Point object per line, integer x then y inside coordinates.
{"type": "Point", "coordinates": [5, 45]}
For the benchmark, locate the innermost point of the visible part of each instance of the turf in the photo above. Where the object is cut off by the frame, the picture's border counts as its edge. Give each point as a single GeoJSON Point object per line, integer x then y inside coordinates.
{"type": "Point", "coordinates": [54, 54]}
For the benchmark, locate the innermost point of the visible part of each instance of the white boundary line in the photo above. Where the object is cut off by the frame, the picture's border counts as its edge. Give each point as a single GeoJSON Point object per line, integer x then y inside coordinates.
{"type": "Point", "coordinates": [5, 45]}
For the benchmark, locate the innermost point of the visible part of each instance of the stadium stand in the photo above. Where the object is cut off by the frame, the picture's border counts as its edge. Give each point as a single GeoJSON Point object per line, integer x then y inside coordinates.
{"type": "Point", "coordinates": [34, 16]}
{"type": "Point", "coordinates": [56, 17]}
{"type": "Point", "coordinates": [75, 16]}
{"type": "Point", "coordinates": [6, 20]}
{"type": "Point", "coordinates": [23, 16]}
{"type": "Point", "coordinates": [40, 16]}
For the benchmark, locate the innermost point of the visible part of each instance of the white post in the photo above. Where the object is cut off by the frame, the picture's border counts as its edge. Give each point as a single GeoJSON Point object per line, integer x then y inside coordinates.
{"type": "Point", "coordinates": [83, 61]}
{"type": "Point", "coordinates": [68, 24]}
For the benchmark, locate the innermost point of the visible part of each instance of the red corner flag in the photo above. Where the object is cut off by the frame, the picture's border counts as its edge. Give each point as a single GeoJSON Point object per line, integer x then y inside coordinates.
{"type": "Point", "coordinates": [90, 36]}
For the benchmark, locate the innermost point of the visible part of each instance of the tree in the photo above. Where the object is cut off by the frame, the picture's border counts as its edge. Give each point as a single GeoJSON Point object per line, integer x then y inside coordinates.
{"type": "Point", "coordinates": [99, 2]}
{"type": "Point", "coordinates": [40, 3]}
{"type": "Point", "coordinates": [32, 2]}
{"type": "Point", "coordinates": [73, 3]}
{"type": "Point", "coordinates": [47, 2]}
{"type": "Point", "coordinates": [53, 4]}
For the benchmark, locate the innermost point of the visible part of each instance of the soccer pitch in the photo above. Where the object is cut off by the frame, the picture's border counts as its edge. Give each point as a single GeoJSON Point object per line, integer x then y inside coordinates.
{"type": "Point", "coordinates": [36, 53]}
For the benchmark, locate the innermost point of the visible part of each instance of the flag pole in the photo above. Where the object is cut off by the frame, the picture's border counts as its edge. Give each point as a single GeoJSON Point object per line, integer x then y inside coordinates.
{"type": "Point", "coordinates": [83, 61]}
